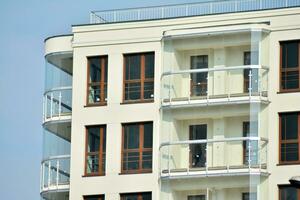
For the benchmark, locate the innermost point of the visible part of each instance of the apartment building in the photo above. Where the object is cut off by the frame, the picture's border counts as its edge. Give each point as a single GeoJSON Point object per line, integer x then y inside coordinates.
{"type": "Point", "coordinates": [181, 102]}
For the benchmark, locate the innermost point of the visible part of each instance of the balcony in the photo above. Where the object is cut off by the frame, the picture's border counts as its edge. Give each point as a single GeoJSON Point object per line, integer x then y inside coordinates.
{"type": "Point", "coordinates": [187, 10]}
{"type": "Point", "coordinates": [57, 104]}
{"type": "Point", "coordinates": [214, 157]}
{"type": "Point", "coordinates": [55, 175]}
{"type": "Point", "coordinates": [215, 86]}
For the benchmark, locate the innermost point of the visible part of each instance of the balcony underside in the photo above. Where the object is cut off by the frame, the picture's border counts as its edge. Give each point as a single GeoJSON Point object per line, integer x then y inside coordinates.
{"type": "Point", "coordinates": [61, 128]}
{"type": "Point", "coordinates": [61, 193]}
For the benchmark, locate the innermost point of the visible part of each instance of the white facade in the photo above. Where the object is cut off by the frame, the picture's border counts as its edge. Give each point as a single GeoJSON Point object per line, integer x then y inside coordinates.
{"type": "Point", "coordinates": [224, 38]}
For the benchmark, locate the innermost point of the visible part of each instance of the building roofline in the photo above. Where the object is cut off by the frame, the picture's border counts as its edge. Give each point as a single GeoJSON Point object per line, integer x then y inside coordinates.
{"type": "Point", "coordinates": [55, 36]}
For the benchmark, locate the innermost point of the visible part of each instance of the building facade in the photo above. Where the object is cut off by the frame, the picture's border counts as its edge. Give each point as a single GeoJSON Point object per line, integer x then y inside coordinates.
{"type": "Point", "coordinates": [184, 102]}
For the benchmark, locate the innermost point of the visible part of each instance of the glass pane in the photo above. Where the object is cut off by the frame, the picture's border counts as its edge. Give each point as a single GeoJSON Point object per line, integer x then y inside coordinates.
{"type": "Point", "coordinates": [289, 152]}
{"type": "Point", "coordinates": [247, 58]}
{"type": "Point", "coordinates": [133, 67]}
{"type": "Point", "coordinates": [93, 163]}
{"type": "Point", "coordinates": [147, 196]}
{"type": "Point", "coordinates": [131, 161]}
{"type": "Point", "coordinates": [149, 65]}
{"type": "Point", "coordinates": [131, 136]}
{"type": "Point", "coordinates": [290, 80]}
{"type": "Point", "coordinates": [147, 160]}
{"type": "Point", "coordinates": [249, 196]}
{"type": "Point", "coordinates": [196, 197]}
{"type": "Point", "coordinates": [288, 193]}
{"type": "Point", "coordinates": [93, 198]}
{"type": "Point", "coordinates": [132, 91]}
{"type": "Point", "coordinates": [289, 126]}
{"type": "Point", "coordinates": [95, 69]}
{"type": "Point", "coordinates": [148, 90]}
{"type": "Point", "coordinates": [148, 132]}
{"type": "Point", "coordinates": [130, 197]}
{"type": "Point", "coordinates": [94, 94]}
{"type": "Point", "coordinates": [93, 139]}
{"type": "Point", "coordinates": [290, 54]}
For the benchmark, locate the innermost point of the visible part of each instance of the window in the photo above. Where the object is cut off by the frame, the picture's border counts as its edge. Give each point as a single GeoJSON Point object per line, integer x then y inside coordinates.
{"type": "Point", "coordinates": [97, 80]}
{"type": "Point", "coordinates": [139, 77]}
{"type": "Point", "coordinates": [289, 69]}
{"type": "Point", "coordinates": [199, 80]}
{"type": "Point", "coordinates": [137, 196]}
{"type": "Point", "coordinates": [288, 192]}
{"type": "Point", "coordinates": [137, 147]}
{"type": "Point", "coordinates": [247, 61]}
{"type": "Point", "coordinates": [249, 196]}
{"type": "Point", "coordinates": [95, 150]}
{"type": "Point", "coordinates": [289, 138]}
{"type": "Point", "coordinates": [250, 58]}
{"type": "Point", "coordinates": [196, 197]}
{"type": "Point", "coordinates": [94, 197]}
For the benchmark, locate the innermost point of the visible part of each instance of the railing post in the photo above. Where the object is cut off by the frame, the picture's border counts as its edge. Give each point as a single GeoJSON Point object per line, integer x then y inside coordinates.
{"type": "Point", "coordinates": [57, 172]}
{"type": "Point", "coordinates": [187, 10]}
{"type": "Point", "coordinates": [260, 4]}
{"type": "Point", "coordinates": [250, 82]}
{"type": "Point", "coordinates": [59, 104]}
{"type": "Point", "coordinates": [51, 105]}
{"type": "Point", "coordinates": [139, 14]}
{"type": "Point", "coordinates": [286, 3]}
{"type": "Point", "coordinates": [228, 80]}
{"type": "Point", "coordinates": [206, 156]}
{"type": "Point", "coordinates": [49, 174]}
{"type": "Point", "coordinates": [210, 8]}
{"type": "Point", "coordinates": [207, 85]}
{"type": "Point", "coordinates": [162, 12]}
{"type": "Point", "coordinates": [43, 108]}
{"type": "Point", "coordinates": [169, 160]}
{"type": "Point", "coordinates": [236, 6]}
{"type": "Point", "coordinates": [249, 153]}
{"type": "Point", "coordinates": [115, 16]}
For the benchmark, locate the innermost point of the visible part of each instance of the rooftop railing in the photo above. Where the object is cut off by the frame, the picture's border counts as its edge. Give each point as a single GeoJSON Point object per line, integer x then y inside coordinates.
{"type": "Point", "coordinates": [187, 10]}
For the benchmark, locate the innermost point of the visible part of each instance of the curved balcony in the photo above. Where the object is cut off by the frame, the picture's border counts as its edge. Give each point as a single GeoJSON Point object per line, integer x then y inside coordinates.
{"type": "Point", "coordinates": [218, 85]}
{"type": "Point", "coordinates": [214, 158]}
{"type": "Point", "coordinates": [57, 104]}
{"type": "Point", "coordinates": [55, 174]}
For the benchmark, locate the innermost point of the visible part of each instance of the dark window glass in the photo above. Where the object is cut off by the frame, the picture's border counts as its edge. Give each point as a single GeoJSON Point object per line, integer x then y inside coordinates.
{"type": "Point", "coordinates": [137, 196]}
{"type": "Point", "coordinates": [289, 137]}
{"type": "Point", "coordinates": [97, 80]}
{"type": "Point", "coordinates": [249, 196]}
{"type": "Point", "coordinates": [139, 77]}
{"type": "Point", "coordinates": [137, 147]}
{"type": "Point", "coordinates": [95, 150]}
{"type": "Point", "coordinates": [198, 151]}
{"type": "Point", "coordinates": [196, 197]}
{"type": "Point", "coordinates": [94, 197]}
{"type": "Point", "coordinates": [288, 193]}
{"type": "Point", "coordinates": [199, 80]}
{"type": "Point", "coordinates": [289, 65]}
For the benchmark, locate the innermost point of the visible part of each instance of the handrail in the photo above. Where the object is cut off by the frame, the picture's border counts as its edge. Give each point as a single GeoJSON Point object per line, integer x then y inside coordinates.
{"type": "Point", "coordinates": [186, 10]}
{"type": "Point", "coordinates": [214, 69]}
{"type": "Point", "coordinates": [214, 141]}
{"type": "Point", "coordinates": [58, 89]}
{"type": "Point", "coordinates": [56, 158]}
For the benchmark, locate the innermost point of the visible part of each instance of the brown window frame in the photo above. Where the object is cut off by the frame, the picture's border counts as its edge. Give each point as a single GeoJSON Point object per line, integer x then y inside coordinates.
{"type": "Point", "coordinates": [139, 194]}
{"type": "Point", "coordinates": [140, 150]}
{"type": "Point", "coordinates": [280, 187]}
{"type": "Point", "coordinates": [288, 141]}
{"type": "Point", "coordinates": [142, 79]}
{"type": "Point", "coordinates": [101, 84]}
{"type": "Point", "coordinates": [282, 70]}
{"type": "Point", "coordinates": [100, 153]}
{"type": "Point", "coordinates": [99, 197]}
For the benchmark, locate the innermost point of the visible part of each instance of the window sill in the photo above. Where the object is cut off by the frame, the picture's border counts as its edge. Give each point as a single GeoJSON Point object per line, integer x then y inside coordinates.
{"type": "Point", "coordinates": [138, 101]}
{"type": "Point", "coordinates": [92, 175]}
{"type": "Point", "coordinates": [288, 91]}
{"type": "Point", "coordinates": [136, 173]}
{"type": "Point", "coordinates": [95, 105]}
{"type": "Point", "coordinates": [291, 163]}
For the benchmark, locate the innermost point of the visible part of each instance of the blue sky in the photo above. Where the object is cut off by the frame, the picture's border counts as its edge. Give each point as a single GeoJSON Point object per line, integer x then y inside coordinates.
{"type": "Point", "coordinates": [24, 24]}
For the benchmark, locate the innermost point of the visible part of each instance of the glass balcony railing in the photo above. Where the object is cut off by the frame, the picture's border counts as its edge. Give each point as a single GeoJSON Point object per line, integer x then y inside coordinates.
{"type": "Point", "coordinates": [243, 155]}
{"type": "Point", "coordinates": [186, 10]}
{"type": "Point", "coordinates": [57, 104]}
{"type": "Point", "coordinates": [55, 173]}
{"type": "Point", "coordinates": [215, 85]}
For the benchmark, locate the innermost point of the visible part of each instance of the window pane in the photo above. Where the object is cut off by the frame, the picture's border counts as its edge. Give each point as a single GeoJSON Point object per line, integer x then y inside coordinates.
{"type": "Point", "coordinates": [131, 136]}
{"type": "Point", "coordinates": [289, 126]}
{"type": "Point", "coordinates": [95, 69]}
{"type": "Point", "coordinates": [148, 132]}
{"type": "Point", "coordinates": [93, 163]}
{"type": "Point", "coordinates": [148, 90]}
{"type": "Point", "coordinates": [147, 196]}
{"type": "Point", "coordinates": [131, 161]}
{"type": "Point", "coordinates": [149, 65]}
{"type": "Point", "coordinates": [94, 94]}
{"type": "Point", "coordinates": [94, 197]}
{"type": "Point", "coordinates": [289, 152]}
{"type": "Point", "coordinates": [288, 193]}
{"type": "Point", "coordinates": [196, 197]}
{"type": "Point", "coordinates": [133, 67]}
{"type": "Point", "coordinates": [147, 160]}
{"type": "Point", "coordinates": [290, 54]}
{"type": "Point", "coordinates": [93, 139]}
{"type": "Point", "coordinates": [132, 91]}
{"type": "Point", "coordinates": [130, 197]}
{"type": "Point", "coordinates": [290, 80]}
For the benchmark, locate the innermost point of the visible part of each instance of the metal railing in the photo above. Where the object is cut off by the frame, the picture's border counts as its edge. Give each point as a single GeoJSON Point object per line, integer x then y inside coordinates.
{"type": "Point", "coordinates": [57, 102]}
{"type": "Point", "coordinates": [211, 156]}
{"type": "Point", "coordinates": [219, 82]}
{"type": "Point", "coordinates": [55, 173]}
{"type": "Point", "coordinates": [186, 10]}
